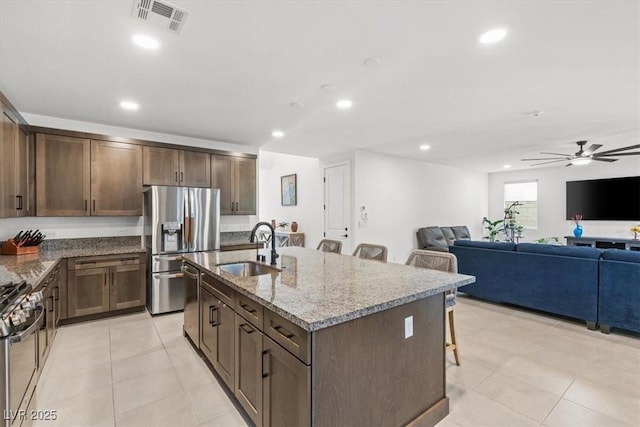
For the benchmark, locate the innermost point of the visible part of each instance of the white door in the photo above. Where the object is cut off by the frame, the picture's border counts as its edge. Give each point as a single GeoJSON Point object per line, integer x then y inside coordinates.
{"type": "Point", "coordinates": [337, 205]}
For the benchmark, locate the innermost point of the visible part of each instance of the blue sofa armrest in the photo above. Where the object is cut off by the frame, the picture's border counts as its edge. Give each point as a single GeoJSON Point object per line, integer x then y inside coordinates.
{"type": "Point", "coordinates": [619, 297]}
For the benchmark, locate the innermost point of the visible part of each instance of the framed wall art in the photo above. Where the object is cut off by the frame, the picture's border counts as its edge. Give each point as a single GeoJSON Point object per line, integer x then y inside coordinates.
{"type": "Point", "coordinates": [289, 190]}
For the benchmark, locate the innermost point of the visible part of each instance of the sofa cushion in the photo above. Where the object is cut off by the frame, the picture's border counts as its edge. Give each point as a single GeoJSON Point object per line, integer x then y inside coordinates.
{"type": "Point", "coordinates": [431, 238]}
{"type": "Point", "coordinates": [461, 232]}
{"type": "Point", "coordinates": [448, 234]}
{"type": "Point", "coordinates": [621, 255]}
{"type": "Point", "coordinates": [570, 251]}
{"type": "Point", "coordinates": [503, 246]}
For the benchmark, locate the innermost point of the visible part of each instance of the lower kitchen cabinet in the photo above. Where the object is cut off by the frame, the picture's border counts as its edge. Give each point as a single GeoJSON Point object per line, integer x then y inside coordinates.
{"type": "Point", "coordinates": [248, 375]}
{"type": "Point", "coordinates": [259, 355]}
{"type": "Point", "coordinates": [105, 283]}
{"type": "Point", "coordinates": [50, 289]}
{"type": "Point", "coordinates": [285, 388]}
{"type": "Point", "coordinates": [217, 333]}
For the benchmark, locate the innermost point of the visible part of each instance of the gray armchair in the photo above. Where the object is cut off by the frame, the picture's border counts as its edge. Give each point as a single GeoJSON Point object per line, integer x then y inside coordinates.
{"type": "Point", "coordinates": [432, 238]}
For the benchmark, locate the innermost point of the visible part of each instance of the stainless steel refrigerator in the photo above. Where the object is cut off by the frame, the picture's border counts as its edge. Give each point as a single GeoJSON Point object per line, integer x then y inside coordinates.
{"type": "Point", "coordinates": [176, 220]}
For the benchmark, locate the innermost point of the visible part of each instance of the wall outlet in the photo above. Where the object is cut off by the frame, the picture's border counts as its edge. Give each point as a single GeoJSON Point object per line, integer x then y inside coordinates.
{"type": "Point", "coordinates": [408, 327]}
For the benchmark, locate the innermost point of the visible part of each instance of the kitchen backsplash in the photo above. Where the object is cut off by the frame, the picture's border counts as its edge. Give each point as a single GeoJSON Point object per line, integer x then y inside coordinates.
{"type": "Point", "coordinates": [79, 227]}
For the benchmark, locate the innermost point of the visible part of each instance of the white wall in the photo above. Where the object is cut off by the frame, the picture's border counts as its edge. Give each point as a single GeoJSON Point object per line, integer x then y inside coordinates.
{"type": "Point", "coordinates": [75, 227]}
{"type": "Point", "coordinates": [552, 198]}
{"type": "Point", "coordinates": [308, 211]}
{"type": "Point", "coordinates": [402, 195]}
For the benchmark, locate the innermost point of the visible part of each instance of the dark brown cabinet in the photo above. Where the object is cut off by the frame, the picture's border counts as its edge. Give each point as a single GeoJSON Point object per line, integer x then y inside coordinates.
{"type": "Point", "coordinates": [62, 175]}
{"type": "Point", "coordinates": [167, 166]}
{"type": "Point", "coordinates": [217, 333]}
{"type": "Point", "coordinates": [16, 171]}
{"type": "Point", "coordinates": [286, 387]}
{"type": "Point", "coordinates": [116, 178]}
{"type": "Point", "coordinates": [102, 284]}
{"type": "Point", "coordinates": [236, 179]}
{"type": "Point", "coordinates": [50, 289]}
{"type": "Point", "coordinates": [80, 177]}
{"type": "Point", "coordinates": [248, 373]}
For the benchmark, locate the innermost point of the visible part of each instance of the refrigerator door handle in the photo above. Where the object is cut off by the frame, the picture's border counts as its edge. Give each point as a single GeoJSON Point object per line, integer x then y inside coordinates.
{"type": "Point", "coordinates": [168, 275]}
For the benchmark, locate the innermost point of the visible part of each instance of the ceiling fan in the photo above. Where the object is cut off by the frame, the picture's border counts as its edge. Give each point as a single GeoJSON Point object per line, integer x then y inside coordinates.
{"type": "Point", "coordinates": [585, 156]}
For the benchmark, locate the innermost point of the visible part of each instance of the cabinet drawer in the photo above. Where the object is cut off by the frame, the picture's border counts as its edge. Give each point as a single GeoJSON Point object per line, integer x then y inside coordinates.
{"type": "Point", "coordinates": [290, 336]}
{"type": "Point", "coordinates": [250, 310]}
{"type": "Point", "coordinates": [219, 289]}
{"type": "Point", "coordinates": [104, 261]}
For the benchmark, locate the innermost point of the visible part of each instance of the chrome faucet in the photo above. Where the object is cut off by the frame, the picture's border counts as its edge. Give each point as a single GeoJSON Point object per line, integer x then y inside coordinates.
{"type": "Point", "coordinates": [252, 238]}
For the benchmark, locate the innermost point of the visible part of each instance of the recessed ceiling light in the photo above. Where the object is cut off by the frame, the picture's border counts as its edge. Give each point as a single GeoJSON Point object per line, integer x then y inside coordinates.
{"type": "Point", "coordinates": [146, 42]}
{"type": "Point", "coordinates": [581, 161]}
{"type": "Point", "coordinates": [129, 105]}
{"type": "Point", "coordinates": [371, 62]}
{"type": "Point", "coordinates": [296, 105]}
{"type": "Point", "coordinates": [507, 166]}
{"type": "Point", "coordinates": [425, 147]}
{"type": "Point", "coordinates": [344, 104]}
{"type": "Point", "coordinates": [328, 87]}
{"type": "Point", "coordinates": [277, 133]}
{"type": "Point", "coordinates": [493, 36]}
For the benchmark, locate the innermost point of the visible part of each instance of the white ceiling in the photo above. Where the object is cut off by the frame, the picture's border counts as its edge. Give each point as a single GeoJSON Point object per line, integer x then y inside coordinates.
{"type": "Point", "coordinates": [232, 72]}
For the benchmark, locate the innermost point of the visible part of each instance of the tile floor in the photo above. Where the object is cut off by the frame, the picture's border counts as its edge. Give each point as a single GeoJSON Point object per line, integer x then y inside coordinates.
{"type": "Point", "coordinates": [519, 368]}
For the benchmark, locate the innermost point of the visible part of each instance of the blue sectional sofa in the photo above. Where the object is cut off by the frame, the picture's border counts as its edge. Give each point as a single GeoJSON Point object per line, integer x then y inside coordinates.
{"type": "Point", "coordinates": [561, 280]}
{"type": "Point", "coordinates": [619, 303]}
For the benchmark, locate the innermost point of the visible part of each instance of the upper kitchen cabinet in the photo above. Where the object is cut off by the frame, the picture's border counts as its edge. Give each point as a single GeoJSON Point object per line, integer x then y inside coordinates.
{"type": "Point", "coordinates": [116, 178]}
{"type": "Point", "coordinates": [16, 167]}
{"type": "Point", "coordinates": [167, 166]}
{"type": "Point", "coordinates": [63, 175]}
{"type": "Point", "coordinates": [81, 177]}
{"type": "Point", "coordinates": [236, 179]}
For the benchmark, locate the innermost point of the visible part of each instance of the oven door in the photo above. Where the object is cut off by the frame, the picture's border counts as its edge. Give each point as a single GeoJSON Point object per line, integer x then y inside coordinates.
{"type": "Point", "coordinates": [23, 363]}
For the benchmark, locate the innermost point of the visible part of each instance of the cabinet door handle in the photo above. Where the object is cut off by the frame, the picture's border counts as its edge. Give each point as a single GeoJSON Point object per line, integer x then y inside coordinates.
{"type": "Point", "coordinates": [85, 205]}
{"type": "Point", "coordinates": [248, 310]}
{"type": "Point", "coordinates": [181, 176]}
{"type": "Point", "coordinates": [18, 203]}
{"type": "Point", "coordinates": [266, 364]}
{"type": "Point", "coordinates": [248, 329]}
{"type": "Point", "coordinates": [94, 205]}
{"type": "Point", "coordinates": [212, 310]}
{"type": "Point", "coordinates": [176, 176]}
{"type": "Point", "coordinates": [282, 331]}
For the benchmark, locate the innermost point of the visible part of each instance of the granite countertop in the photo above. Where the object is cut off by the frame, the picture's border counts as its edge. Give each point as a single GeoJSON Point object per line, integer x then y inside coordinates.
{"type": "Point", "coordinates": [316, 289]}
{"type": "Point", "coordinates": [34, 267]}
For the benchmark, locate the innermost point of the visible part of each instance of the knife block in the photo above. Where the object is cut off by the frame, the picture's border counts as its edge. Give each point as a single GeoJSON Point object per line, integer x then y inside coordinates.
{"type": "Point", "coordinates": [10, 248]}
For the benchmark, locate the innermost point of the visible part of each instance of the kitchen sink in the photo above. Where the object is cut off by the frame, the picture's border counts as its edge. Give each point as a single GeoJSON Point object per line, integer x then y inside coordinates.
{"type": "Point", "coordinates": [247, 269]}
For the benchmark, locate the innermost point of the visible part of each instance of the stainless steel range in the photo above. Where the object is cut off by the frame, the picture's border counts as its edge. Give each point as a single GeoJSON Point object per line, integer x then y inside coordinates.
{"type": "Point", "coordinates": [21, 314]}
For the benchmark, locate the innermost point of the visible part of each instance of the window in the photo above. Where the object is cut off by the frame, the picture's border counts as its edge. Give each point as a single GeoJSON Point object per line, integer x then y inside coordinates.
{"type": "Point", "coordinates": [526, 193]}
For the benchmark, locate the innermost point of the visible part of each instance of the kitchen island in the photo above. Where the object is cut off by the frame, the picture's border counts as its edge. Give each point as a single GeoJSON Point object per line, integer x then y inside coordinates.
{"type": "Point", "coordinates": [322, 339]}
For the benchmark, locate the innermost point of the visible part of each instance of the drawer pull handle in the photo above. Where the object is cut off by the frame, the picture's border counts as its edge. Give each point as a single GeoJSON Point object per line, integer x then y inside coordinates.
{"type": "Point", "coordinates": [266, 364]}
{"type": "Point", "coordinates": [248, 329]}
{"type": "Point", "coordinates": [212, 312]}
{"type": "Point", "coordinates": [248, 310]}
{"type": "Point", "coordinates": [282, 331]}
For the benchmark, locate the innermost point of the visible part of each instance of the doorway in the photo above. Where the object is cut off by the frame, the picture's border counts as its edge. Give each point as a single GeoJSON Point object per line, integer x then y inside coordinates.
{"type": "Point", "coordinates": [337, 204]}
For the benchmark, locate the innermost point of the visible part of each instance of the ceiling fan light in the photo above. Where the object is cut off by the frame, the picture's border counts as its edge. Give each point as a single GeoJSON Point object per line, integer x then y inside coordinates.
{"type": "Point", "coordinates": [581, 161]}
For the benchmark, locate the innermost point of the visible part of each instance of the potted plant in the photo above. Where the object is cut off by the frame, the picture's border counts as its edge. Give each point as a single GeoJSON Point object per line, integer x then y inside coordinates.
{"type": "Point", "coordinates": [283, 225]}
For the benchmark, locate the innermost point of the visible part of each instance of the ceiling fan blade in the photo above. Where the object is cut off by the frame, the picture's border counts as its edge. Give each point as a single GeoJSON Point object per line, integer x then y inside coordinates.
{"type": "Point", "coordinates": [549, 158]}
{"type": "Point", "coordinates": [615, 150]}
{"type": "Point", "coordinates": [552, 161]}
{"type": "Point", "coordinates": [557, 154]}
{"type": "Point", "coordinates": [633, 153]}
{"type": "Point", "coordinates": [591, 149]}
{"type": "Point", "coordinates": [604, 159]}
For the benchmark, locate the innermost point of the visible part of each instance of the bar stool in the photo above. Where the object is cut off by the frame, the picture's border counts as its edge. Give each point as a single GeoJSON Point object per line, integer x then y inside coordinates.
{"type": "Point", "coordinates": [328, 245]}
{"type": "Point", "coordinates": [371, 251]}
{"type": "Point", "coordinates": [443, 261]}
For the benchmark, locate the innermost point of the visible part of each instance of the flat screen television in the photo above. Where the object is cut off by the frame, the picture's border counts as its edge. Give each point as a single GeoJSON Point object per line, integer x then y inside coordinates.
{"type": "Point", "coordinates": [612, 199]}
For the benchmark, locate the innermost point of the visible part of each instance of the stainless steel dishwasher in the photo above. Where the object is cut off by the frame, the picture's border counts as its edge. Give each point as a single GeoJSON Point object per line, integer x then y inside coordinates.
{"type": "Point", "coordinates": [191, 326]}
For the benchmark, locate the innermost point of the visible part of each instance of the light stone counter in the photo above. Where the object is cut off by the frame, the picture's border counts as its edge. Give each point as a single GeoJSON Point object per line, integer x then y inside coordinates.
{"type": "Point", "coordinates": [315, 289]}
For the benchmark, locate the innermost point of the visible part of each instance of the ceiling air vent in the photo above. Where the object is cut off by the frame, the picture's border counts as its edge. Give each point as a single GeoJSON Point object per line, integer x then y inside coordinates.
{"type": "Point", "coordinates": [160, 13]}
